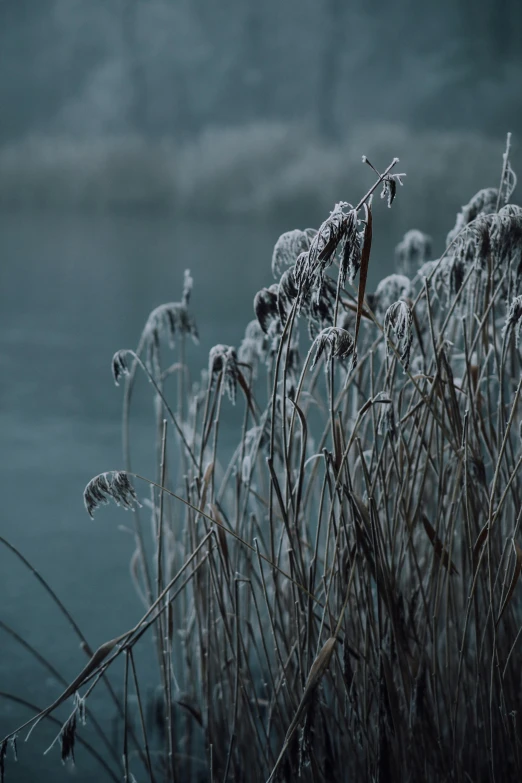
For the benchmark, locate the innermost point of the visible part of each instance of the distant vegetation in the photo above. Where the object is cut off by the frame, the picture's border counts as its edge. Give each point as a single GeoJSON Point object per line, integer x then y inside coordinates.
{"type": "Point", "coordinates": [339, 599]}
{"type": "Point", "coordinates": [267, 170]}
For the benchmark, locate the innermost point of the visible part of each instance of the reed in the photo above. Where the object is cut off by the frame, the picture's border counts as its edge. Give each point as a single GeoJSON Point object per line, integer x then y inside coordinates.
{"type": "Point", "coordinates": [338, 600]}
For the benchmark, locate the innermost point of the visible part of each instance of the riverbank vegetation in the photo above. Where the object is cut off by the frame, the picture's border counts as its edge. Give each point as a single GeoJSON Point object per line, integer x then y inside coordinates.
{"type": "Point", "coordinates": [337, 596]}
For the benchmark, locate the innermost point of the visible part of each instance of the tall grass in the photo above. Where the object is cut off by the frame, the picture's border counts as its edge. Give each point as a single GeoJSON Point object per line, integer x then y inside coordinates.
{"type": "Point", "coordinates": [338, 600]}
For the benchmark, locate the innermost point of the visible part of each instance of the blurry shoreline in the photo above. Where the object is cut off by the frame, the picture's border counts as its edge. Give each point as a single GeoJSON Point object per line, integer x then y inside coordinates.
{"type": "Point", "coordinates": [262, 171]}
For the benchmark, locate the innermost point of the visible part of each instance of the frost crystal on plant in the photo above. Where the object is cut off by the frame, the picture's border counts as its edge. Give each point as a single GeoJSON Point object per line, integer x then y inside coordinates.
{"type": "Point", "coordinates": [389, 187]}
{"type": "Point", "coordinates": [114, 484]}
{"type": "Point", "coordinates": [170, 320]}
{"type": "Point", "coordinates": [399, 318]}
{"type": "Point", "coordinates": [223, 359]}
{"type": "Point", "coordinates": [336, 342]}
{"type": "Point", "coordinates": [311, 266]}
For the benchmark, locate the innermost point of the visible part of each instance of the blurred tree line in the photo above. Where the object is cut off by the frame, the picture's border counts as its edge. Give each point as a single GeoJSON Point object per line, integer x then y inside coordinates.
{"type": "Point", "coordinates": [177, 66]}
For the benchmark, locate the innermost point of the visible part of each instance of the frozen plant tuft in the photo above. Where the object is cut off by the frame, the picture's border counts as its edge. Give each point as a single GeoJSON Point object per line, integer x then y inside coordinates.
{"type": "Point", "coordinates": [336, 343]}
{"type": "Point", "coordinates": [222, 359]}
{"type": "Point", "coordinates": [114, 484]}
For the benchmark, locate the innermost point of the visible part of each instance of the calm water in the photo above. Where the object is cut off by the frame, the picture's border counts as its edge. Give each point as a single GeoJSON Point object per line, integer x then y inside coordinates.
{"type": "Point", "coordinates": [72, 291]}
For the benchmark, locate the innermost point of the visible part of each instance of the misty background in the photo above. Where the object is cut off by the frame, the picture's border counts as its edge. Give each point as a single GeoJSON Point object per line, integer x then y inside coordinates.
{"type": "Point", "coordinates": [142, 137]}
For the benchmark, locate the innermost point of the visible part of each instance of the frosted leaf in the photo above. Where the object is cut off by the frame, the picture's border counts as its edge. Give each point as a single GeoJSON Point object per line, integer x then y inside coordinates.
{"type": "Point", "coordinates": [389, 187]}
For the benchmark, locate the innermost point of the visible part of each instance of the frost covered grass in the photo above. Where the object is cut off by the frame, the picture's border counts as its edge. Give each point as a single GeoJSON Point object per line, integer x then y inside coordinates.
{"type": "Point", "coordinates": [340, 599]}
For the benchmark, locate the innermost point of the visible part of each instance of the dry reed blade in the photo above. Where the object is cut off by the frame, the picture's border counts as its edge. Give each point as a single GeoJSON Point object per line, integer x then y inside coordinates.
{"type": "Point", "coordinates": [319, 667]}
{"type": "Point", "coordinates": [514, 580]}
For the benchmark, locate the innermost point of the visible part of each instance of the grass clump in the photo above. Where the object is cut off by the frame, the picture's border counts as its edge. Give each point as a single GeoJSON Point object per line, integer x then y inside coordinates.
{"type": "Point", "coordinates": [339, 599]}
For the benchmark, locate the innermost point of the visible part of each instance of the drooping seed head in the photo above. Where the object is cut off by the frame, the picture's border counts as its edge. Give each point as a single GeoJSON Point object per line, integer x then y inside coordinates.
{"type": "Point", "coordinates": [119, 366]}
{"type": "Point", "coordinates": [389, 187]}
{"type": "Point", "coordinates": [223, 359]}
{"type": "Point", "coordinates": [287, 248]}
{"type": "Point", "coordinates": [113, 484]}
{"type": "Point", "coordinates": [336, 343]}
{"type": "Point", "coordinates": [265, 307]}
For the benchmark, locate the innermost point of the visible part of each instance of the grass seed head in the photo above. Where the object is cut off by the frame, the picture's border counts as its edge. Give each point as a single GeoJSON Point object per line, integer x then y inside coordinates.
{"type": "Point", "coordinates": [223, 359]}
{"type": "Point", "coordinates": [113, 485]}
{"type": "Point", "coordinates": [287, 248]}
